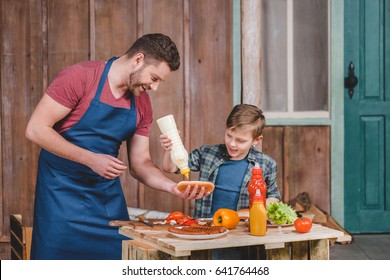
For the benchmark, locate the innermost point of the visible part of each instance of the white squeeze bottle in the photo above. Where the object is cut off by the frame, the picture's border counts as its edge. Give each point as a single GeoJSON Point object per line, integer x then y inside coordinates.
{"type": "Point", "coordinates": [179, 155]}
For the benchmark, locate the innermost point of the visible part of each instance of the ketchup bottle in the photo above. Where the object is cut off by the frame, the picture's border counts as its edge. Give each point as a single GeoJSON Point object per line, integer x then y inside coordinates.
{"type": "Point", "coordinates": [257, 182]}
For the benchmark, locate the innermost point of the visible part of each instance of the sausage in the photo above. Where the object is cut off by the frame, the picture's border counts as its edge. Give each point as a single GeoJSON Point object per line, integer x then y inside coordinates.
{"type": "Point", "coordinates": [198, 230]}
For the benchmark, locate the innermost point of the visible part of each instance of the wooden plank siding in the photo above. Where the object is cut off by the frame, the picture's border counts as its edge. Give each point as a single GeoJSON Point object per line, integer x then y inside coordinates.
{"type": "Point", "coordinates": [115, 29]}
{"type": "Point", "coordinates": [41, 37]}
{"type": "Point", "coordinates": [21, 87]}
{"type": "Point", "coordinates": [210, 91]}
{"type": "Point", "coordinates": [303, 157]}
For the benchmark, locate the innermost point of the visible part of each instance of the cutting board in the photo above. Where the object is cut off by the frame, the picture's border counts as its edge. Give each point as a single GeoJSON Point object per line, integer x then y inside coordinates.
{"type": "Point", "coordinates": [158, 224]}
{"type": "Point", "coordinates": [140, 225]}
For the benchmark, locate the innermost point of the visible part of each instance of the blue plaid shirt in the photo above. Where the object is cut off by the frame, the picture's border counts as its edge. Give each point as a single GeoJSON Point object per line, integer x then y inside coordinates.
{"type": "Point", "coordinates": [207, 159]}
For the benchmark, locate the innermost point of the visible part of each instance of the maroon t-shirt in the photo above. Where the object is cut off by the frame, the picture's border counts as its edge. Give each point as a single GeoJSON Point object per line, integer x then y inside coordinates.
{"type": "Point", "coordinates": [75, 87]}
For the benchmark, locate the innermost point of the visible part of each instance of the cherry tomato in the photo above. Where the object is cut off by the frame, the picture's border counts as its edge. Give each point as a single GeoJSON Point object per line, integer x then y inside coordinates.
{"type": "Point", "coordinates": [303, 224]}
{"type": "Point", "coordinates": [175, 216]}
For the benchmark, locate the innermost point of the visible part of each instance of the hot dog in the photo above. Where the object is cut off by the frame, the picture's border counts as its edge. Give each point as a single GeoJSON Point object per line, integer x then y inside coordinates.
{"type": "Point", "coordinates": [208, 186]}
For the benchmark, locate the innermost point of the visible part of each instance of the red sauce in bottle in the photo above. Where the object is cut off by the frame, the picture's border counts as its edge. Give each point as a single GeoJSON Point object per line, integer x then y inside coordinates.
{"type": "Point", "coordinates": [257, 182]}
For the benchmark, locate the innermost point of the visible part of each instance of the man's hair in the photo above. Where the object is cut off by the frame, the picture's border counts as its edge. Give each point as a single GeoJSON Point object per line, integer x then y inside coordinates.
{"type": "Point", "coordinates": [246, 117]}
{"type": "Point", "coordinates": [156, 48]}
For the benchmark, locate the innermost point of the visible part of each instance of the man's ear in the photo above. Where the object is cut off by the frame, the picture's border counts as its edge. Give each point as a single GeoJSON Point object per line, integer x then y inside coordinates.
{"type": "Point", "coordinates": [138, 60]}
{"type": "Point", "coordinates": [257, 140]}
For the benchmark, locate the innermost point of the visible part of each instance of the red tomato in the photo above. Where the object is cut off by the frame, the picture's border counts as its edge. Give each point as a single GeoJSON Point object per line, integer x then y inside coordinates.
{"type": "Point", "coordinates": [175, 216]}
{"type": "Point", "coordinates": [187, 221]}
{"type": "Point", "coordinates": [303, 224]}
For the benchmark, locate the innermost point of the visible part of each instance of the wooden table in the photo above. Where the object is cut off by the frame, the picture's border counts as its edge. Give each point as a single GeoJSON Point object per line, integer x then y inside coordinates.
{"type": "Point", "coordinates": [157, 243]}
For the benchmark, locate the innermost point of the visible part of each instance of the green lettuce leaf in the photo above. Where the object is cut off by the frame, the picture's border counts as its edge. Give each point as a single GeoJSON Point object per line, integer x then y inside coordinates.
{"type": "Point", "coordinates": [280, 213]}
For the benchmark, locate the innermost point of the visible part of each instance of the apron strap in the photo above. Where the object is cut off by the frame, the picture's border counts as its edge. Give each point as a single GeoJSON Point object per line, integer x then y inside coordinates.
{"type": "Point", "coordinates": [104, 77]}
{"type": "Point", "coordinates": [132, 101]}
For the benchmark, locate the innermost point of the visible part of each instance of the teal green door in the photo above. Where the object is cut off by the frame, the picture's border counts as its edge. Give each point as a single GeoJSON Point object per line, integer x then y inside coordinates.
{"type": "Point", "coordinates": [367, 117]}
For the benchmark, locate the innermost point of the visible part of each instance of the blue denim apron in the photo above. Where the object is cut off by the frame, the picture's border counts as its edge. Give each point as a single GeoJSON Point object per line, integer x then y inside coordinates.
{"type": "Point", "coordinates": [73, 204]}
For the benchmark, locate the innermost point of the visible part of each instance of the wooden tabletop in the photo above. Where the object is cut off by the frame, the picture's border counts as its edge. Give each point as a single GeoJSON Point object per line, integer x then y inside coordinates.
{"type": "Point", "coordinates": [158, 237]}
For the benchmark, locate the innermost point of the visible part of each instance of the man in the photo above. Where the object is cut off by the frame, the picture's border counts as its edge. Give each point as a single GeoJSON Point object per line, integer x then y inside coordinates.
{"type": "Point", "coordinates": [80, 123]}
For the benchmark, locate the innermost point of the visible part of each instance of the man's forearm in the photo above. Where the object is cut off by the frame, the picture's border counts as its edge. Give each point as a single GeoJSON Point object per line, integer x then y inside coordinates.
{"type": "Point", "coordinates": [150, 175]}
{"type": "Point", "coordinates": [50, 140]}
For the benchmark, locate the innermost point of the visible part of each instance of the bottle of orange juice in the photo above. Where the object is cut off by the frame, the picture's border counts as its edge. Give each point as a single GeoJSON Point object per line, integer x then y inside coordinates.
{"type": "Point", "coordinates": [258, 216]}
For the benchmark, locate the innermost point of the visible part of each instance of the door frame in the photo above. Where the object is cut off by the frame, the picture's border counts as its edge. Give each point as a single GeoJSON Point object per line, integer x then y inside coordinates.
{"type": "Point", "coordinates": [337, 109]}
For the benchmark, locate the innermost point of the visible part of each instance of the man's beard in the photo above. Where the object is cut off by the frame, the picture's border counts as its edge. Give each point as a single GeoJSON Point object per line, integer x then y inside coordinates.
{"type": "Point", "coordinates": [134, 79]}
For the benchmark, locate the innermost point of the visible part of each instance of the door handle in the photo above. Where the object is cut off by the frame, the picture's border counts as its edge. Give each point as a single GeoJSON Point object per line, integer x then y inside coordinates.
{"type": "Point", "coordinates": [351, 80]}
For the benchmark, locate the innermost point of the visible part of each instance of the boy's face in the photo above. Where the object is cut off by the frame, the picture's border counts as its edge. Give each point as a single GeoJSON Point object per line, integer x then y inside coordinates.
{"type": "Point", "coordinates": [239, 142]}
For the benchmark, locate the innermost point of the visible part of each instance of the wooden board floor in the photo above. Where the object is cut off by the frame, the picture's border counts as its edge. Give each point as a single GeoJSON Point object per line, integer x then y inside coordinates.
{"type": "Point", "coordinates": [363, 247]}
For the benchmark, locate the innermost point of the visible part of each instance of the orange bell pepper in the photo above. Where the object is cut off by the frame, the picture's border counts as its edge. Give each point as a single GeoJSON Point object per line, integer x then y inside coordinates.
{"type": "Point", "coordinates": [226, 217]}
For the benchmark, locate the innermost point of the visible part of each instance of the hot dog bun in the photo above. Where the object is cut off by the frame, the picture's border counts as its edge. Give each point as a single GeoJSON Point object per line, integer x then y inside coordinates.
{"type": "Point", "coordinates": [243, 214]}
{"type": "Point", "coordinates": [182, 186]}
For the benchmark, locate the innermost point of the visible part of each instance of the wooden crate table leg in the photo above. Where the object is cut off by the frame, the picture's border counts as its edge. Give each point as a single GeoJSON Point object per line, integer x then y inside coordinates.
{"type": "Point", "coordinates": [279, 254]}
{"type": "Point", "coordinates": [256, 252]}
{"type": "Point", "coordinates": [300, 250]}
{"type": "Point", "coordinates": [319, 249]}
{"type": "Point", "coordinates": [313, 250]}
{"type": "Point", "coordinates": [201, 255]}
{"type": "Point", "coordinates": [125, 250]}
{"type": "Point", "coordinates": [177, 258]}
{"type": "Point", "coordinates": [135, 250]}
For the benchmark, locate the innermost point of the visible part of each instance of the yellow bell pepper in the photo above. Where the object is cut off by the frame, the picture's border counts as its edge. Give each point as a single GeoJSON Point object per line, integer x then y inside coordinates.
{"type": "Point", "coordinates": [226, 217]}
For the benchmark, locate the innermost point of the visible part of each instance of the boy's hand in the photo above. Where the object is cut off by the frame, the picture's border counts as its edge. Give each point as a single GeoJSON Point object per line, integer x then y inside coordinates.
{"type": "Point", "coordinates": [165, 142]}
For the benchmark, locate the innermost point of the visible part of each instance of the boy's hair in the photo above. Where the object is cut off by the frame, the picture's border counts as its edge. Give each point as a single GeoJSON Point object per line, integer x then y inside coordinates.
{"type": "Point", "coordinates": [156, 48]}
{"type": "Point", "coordinates": [245, 116]}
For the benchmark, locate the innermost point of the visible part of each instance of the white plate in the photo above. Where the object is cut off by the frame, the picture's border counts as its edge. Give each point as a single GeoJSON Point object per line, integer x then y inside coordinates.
{"type": "Point", "coordinates": [199, 236]}
{"type": "Point", "coordinates": [276, 225]}
{"type": "Point", "coordinates": [271, 225]}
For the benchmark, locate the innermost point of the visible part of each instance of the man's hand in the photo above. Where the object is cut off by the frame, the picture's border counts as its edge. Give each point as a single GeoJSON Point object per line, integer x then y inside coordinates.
{"type": "Point", "coordinates": [107, 166]}
{"type": "Point", "coordinates": [187, 194]}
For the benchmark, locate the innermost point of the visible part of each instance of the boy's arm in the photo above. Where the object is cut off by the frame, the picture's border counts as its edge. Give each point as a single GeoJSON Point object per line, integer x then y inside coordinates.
{"type": "Point", "coordinates": [273, 194]}
{"type": "Point", "coordinates": [167, 164]}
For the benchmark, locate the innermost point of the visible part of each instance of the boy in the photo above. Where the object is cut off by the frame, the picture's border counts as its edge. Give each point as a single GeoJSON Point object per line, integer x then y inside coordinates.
{"type": "Point", "coordinates": [229, 165]}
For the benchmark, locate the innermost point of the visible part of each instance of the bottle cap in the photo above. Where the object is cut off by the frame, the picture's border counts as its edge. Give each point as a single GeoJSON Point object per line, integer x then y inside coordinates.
{"type": "Point", "coordinates": [256, 170]}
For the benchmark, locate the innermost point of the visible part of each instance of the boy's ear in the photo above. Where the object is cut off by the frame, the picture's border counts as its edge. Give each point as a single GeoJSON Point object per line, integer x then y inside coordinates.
{"type": "Point", "coordinates": [257, 140]}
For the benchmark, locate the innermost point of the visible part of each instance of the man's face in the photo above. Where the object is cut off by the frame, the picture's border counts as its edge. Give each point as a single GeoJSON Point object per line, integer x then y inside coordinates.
{"type": "Point", "coordinates": [239, 142]}
{"type": "Point", "coordinates": [148, 77]}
